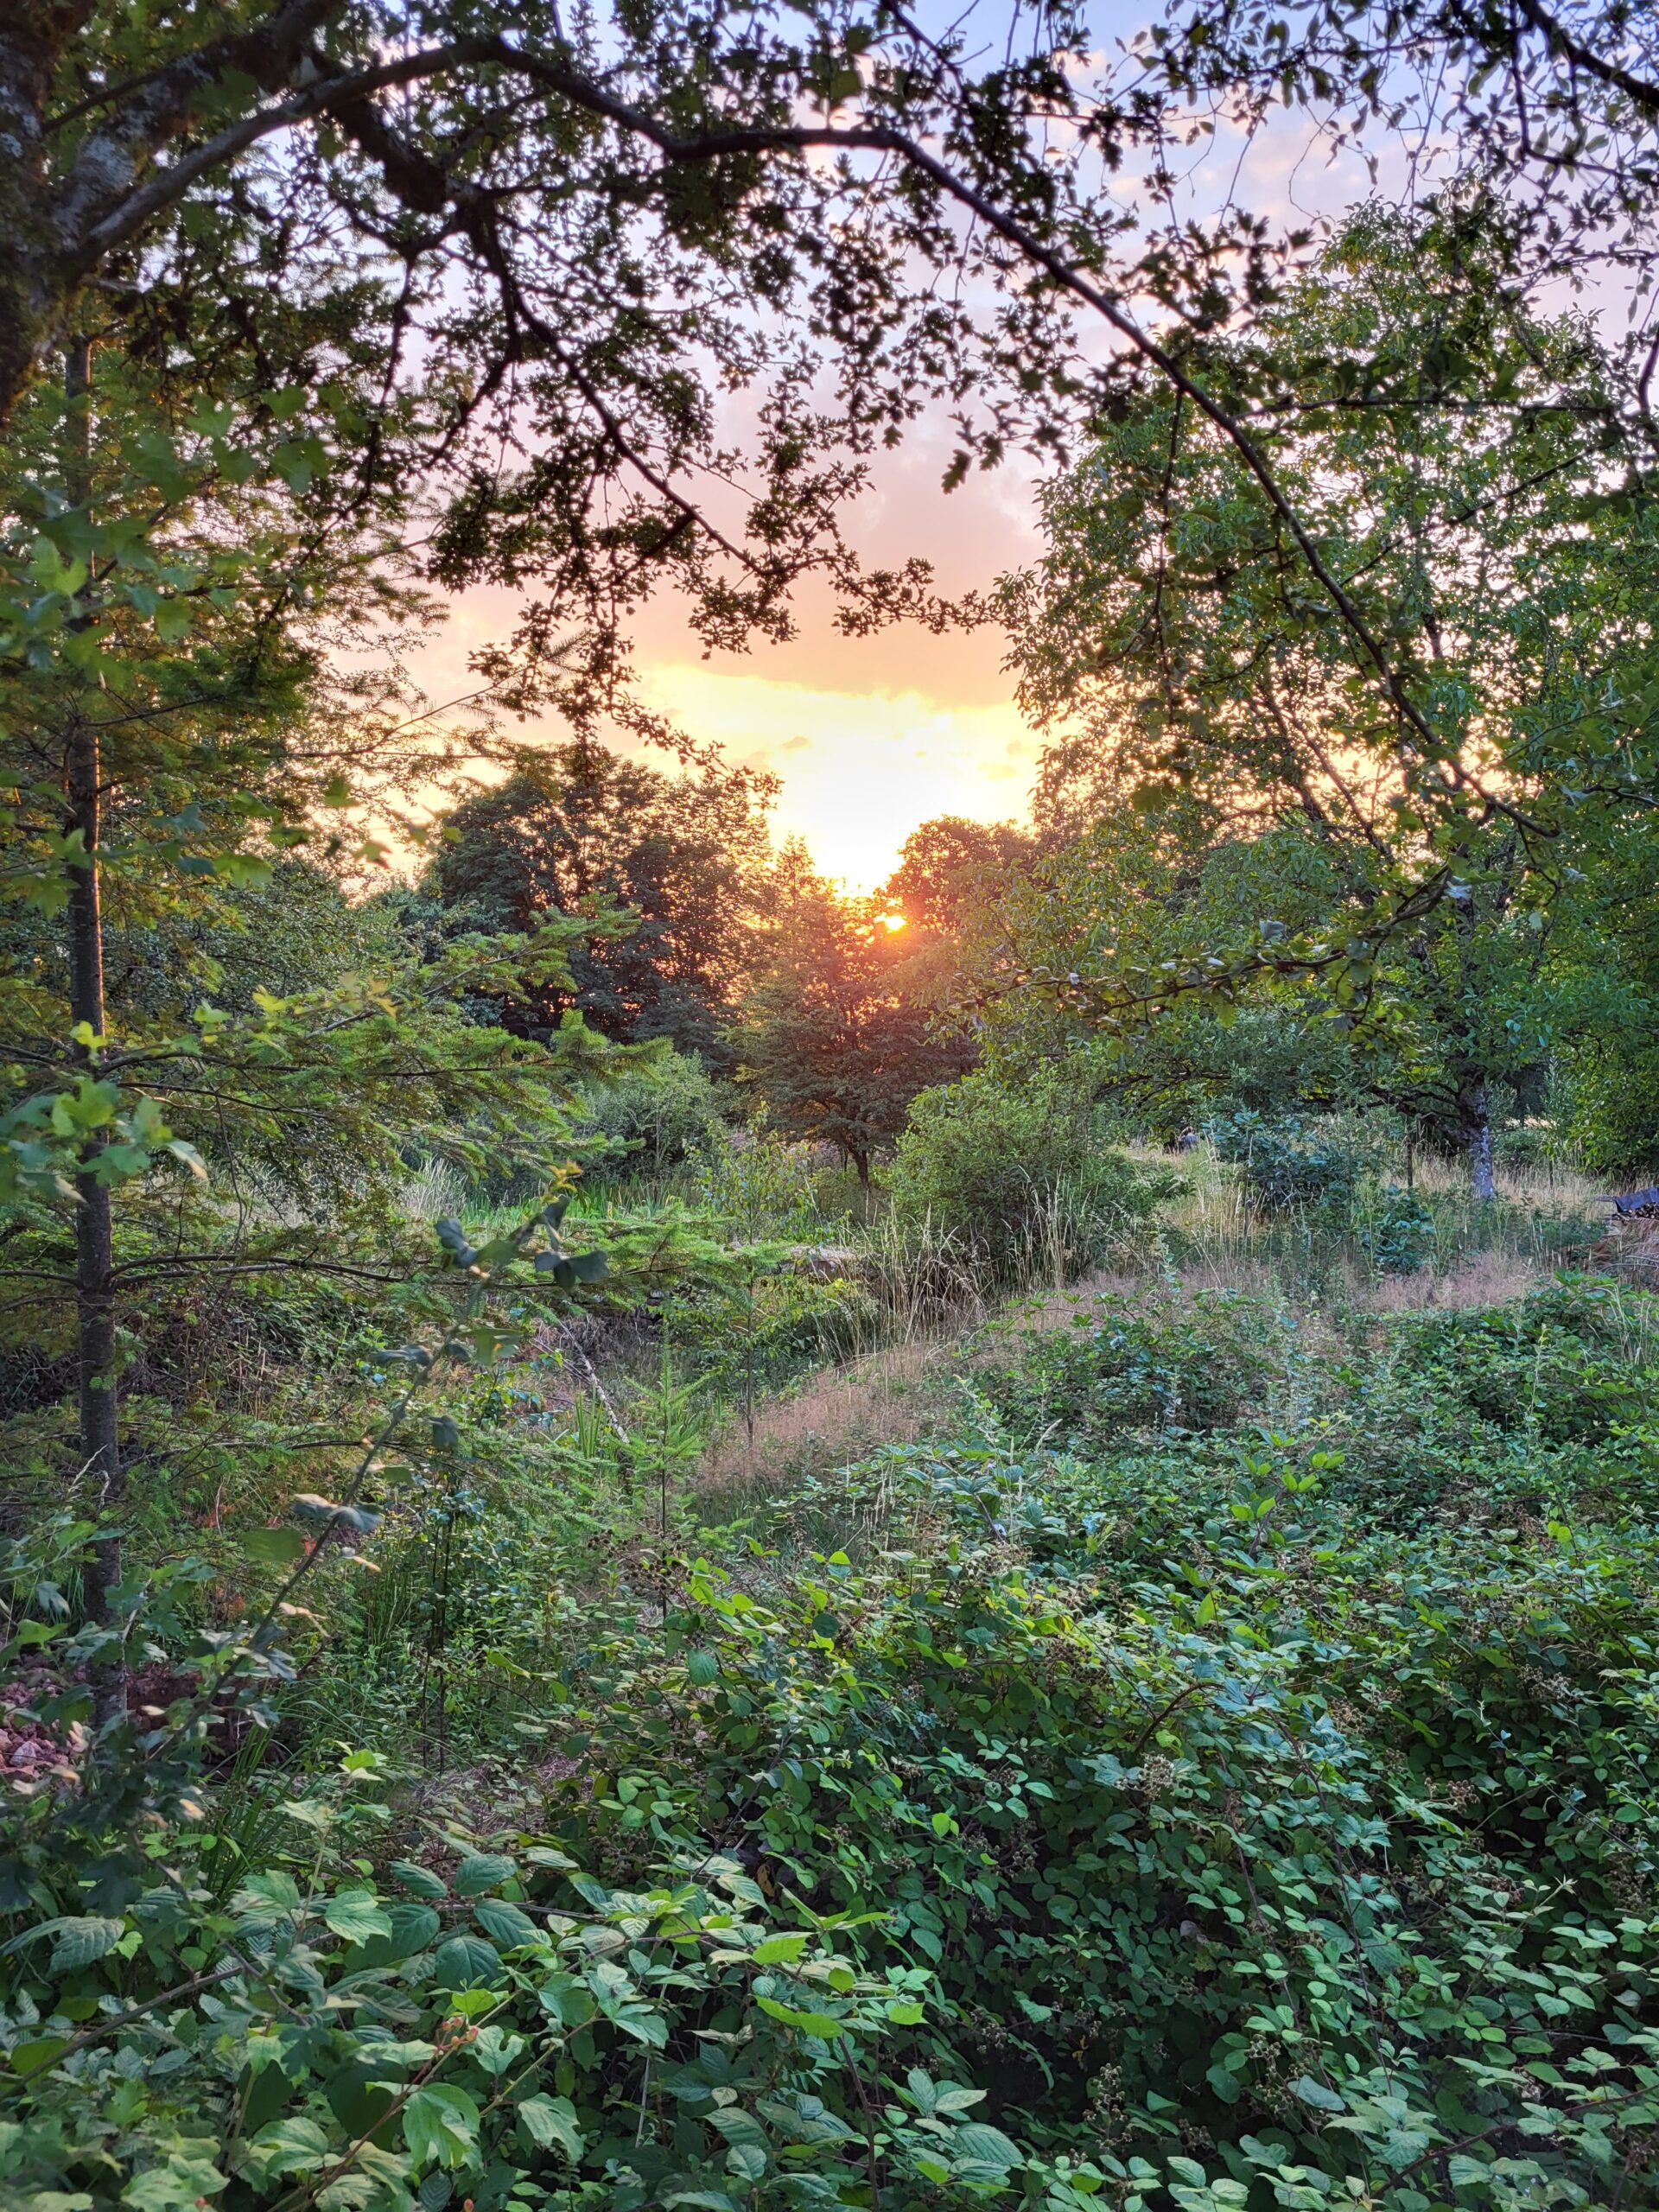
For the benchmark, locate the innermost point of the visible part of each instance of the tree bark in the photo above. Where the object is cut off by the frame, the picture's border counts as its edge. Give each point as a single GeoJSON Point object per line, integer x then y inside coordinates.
{"type": "Point", "coordinates": [1482, 1188]}
{"type": "Point", "coordinates": [95, 1331]}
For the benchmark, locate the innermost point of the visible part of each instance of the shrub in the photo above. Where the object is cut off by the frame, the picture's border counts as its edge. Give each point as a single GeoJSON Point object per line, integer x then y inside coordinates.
{"type": "Point", "coordinates": [1397, 1229]}
{"type": "Point", "coordinates": [1525, 1147]}
{"type": "Point", "coordinates": [1017, 1173]}
{"type": "Point", "coordinates": [665, 1110]}
{"type": "Point", "coordinates": [1284, 1171]}
{"type": "Point", "coordinates": [759, 1182]}
{"type": "Point", "coordinates": [1146, 1822]}
{"type": "Point", "coordinates": [1142, 1365]}
{"type": "Point", "coordinates": [766, 1332]}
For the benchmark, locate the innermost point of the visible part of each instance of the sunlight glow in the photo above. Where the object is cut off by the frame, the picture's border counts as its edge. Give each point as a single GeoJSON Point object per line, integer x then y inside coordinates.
{"type": "Point", "coordinates": [861, 769]}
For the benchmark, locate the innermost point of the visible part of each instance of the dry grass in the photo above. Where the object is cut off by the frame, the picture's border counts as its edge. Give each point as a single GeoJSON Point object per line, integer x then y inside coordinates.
{"type": "Point", "coordinates": [890, 1396]}
{"type": "Point", "coordinates": [899, 1392]}
{"type": "Point", "coordinates": [1477, 1279]}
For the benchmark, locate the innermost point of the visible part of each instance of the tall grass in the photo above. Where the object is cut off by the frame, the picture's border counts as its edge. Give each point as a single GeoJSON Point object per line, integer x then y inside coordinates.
{"type": "Point", "coordinates": [894, 1300]}
{"type": "Point", "coordinates": [1542, 1217]}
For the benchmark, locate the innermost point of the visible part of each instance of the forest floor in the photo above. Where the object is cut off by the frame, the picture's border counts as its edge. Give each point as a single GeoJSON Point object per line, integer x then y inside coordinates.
{"type": "Point", "coordinates": [1187, 1736]}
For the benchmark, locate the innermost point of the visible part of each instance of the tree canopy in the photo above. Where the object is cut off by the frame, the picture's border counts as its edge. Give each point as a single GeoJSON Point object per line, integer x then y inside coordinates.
{"type": "Point", "coordinates": [580, 830]}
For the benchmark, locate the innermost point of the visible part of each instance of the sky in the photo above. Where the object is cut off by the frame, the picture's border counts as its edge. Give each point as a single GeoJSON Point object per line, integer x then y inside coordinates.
{"type": "Point", "coordinates": [870, 736]}
{"type": "Point", "coordinates": [873, 736]}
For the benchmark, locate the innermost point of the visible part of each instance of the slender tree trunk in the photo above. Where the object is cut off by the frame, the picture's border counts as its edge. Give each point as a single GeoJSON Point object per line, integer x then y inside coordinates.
{"type": "Point", "coordinates": [95, 1346]}
{"type": "Point", "coordinates": [1482, 1188]}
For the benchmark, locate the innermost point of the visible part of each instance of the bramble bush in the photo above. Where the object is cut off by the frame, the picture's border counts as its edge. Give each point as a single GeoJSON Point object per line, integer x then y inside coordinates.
{"type": "Point", "coordinates": [1157, 1799]}
{"type": "Point", "coordinates": [1286, 1169]}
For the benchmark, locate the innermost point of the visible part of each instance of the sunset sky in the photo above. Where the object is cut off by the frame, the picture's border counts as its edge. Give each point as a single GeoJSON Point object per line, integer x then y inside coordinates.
{"type": "Point", "coordinates": [873, 736]}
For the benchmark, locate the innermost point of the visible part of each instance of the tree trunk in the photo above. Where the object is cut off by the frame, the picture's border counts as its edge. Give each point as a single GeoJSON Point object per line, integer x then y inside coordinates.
{"type": "Point", "coordinates": [1482, 1188]}
{"type": "Point", "coordinates": [95, 1336]}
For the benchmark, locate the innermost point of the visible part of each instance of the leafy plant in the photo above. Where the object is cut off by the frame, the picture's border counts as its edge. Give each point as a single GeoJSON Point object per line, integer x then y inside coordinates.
{"type": "Point", "coordinates": [1286, 1169]}
{"type": "Point", "coordinates": [1010, 1167]}
{"type": "Point", "coordinates": [1397, 1229]}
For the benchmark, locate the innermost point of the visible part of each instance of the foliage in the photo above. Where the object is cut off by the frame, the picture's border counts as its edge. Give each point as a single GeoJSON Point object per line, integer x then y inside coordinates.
{"type": "Point", "coordinates": [662, 1112]}
{"type": "Point", "coordinates": [1009, 1167]}
{"type": "Point", "coordinates": [1129, 1365]}
{"type": "Point", "coordinates": [1284, 1168]}
{"type": "Point", "coordinates": [1526, 646]}
{"type": "Point", "coordinates": [1230, 1814]}
{"type": "Point", "coordinates": [579, 830]}
{"type": "Point", "coordinates": [1397, 1229]}
{"type": "Point", "coordinates": [486, 2014]}
{"type": "Point", "coordinates": [771, 1327]}
{"type": "Point", "coordinates": [831, 1042]}
{"type": "Point", "coordinates": [1225, 1752]}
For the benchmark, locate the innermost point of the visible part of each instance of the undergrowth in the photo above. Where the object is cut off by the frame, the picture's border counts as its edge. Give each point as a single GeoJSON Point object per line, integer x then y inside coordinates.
{"type": "Point", "coordinates": [1215, 1767]}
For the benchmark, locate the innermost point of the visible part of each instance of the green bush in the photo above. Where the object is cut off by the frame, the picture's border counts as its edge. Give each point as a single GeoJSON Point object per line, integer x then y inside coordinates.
{"type": "Point", "coordinates": [1397, 1229]}
{"type": "Point", "coordinates": [760, 1183]}
{"type": "Point", "coordinates": [1284, 1169]}
{"type": "Point", "coordinates": [1145, 1818]}
{"type": "Point", "coordinates": [1144, 1365]}
{"type": "Point", "coordinates": [1017, 1172]}
{"type": "Point", "coordinates": [764, 1332]}
{"type": "Point", "coordinates": [662, 1112]}
{"type": "Point", "coordinates": [1526, 1146]}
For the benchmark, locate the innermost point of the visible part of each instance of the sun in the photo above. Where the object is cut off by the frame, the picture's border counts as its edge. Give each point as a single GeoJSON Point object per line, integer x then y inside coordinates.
{"type": "Point", "coordinates": [893, 922]}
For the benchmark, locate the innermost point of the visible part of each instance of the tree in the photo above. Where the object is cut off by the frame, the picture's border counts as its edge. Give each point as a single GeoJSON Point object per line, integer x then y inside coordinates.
{"type": "Point", "coordinates": [564, 225]}
{"type": "Point", "coordinates": [950, 869]}
{"type": "Point", "coordinates": [171, 737]}
{"type": "Point", "coordinates": [1171, 613]}
{"type": "Point", "coordinates": [1117, 891]}
{"type": "Point", "coordinates": [826, 1038]}
{"type": "Point", "coordinates": [579, 829]}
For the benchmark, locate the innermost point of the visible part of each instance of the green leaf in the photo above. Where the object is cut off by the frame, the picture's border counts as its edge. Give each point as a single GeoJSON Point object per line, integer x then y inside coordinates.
{"type": "Point", "coordinates": [550, 2124]}
{"type": "Point", "coordinates": [777, 1948]}
{"type": "Point", "coordinates": [738, 2125]}
{"type": "Point", "coordinates": [1227, 2086]}
{"type": "Point", "coordinates": [441, 2126]}
{"type": "Point", "coordinates": [482, 1871]}
{"type": "Point", "coordinates": [505, 1923]}
{"type": "Point", "coordinates": [357, 1916]}
{"type": "Point", "coordinates": [703, 1667]}
{"type": "Point", "coordinates": [36, 2057]}
{"type": "Point", "coordinates": [290, 2147]}
{"type": "Point", "coordinates": [180, 2181]}
{"type": "Point", "coordinates": [495, 2050]}
{"type": "Point", "coordinates": [824, 2026]}
{"type": "Point", "coordinates": [421, 1879]}
{"type": "Point", "coordinates": [414, 1928]}
{"type": "Point", "coordinates": [1315, 2092]}
{"type": "Point", "coordinates": [1464, 2172]}
{"type": "Point", "coordinates": [985, 2145]}
{"type": "Point", "coordinates": [567, 2000]}
{"type": "Point", "coordinates": [77, 1939]}
{"type": "Point", "coordinates": [277, 1892]}
{"type": "Point", "coordinates": [468, 1962]}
